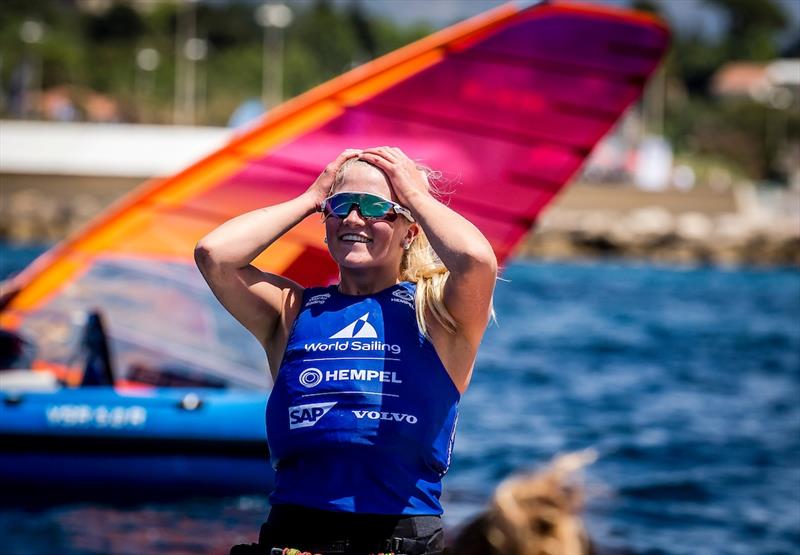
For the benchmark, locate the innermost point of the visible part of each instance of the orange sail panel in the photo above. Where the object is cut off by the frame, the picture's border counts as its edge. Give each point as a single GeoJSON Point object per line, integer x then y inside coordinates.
{"type": "Point", "coordinates": [507, 106]}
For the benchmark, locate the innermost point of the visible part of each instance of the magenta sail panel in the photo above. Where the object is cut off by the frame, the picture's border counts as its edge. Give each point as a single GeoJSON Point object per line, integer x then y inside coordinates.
{"type": "Point", "coordinates": [507, 118]}
{"type": "Point", "coordinates": [572, 41]}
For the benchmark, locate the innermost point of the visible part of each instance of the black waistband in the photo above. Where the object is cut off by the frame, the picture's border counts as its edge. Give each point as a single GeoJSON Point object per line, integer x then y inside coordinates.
{"type": "Point", "coordinates": [295, 526]}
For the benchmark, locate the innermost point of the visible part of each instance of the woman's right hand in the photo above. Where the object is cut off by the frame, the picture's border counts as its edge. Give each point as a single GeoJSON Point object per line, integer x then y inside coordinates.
{"type": "Point", "coordinates": [321, 188]}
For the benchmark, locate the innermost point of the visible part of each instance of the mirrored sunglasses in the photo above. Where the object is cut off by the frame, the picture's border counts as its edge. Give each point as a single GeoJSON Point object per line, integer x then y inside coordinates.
{"type": "Point", "coordinates": [370, 206]}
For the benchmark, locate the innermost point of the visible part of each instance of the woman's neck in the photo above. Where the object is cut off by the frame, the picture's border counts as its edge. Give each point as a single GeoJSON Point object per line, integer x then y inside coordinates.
{"type": "Point", "coordinates": [365, 281]}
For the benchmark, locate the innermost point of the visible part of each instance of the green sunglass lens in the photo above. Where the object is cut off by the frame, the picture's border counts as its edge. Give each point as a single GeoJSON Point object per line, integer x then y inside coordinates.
{"type": "Point", "coordinates": [368, 207]}
{"type": "Point", "coordinates": [375, 209]}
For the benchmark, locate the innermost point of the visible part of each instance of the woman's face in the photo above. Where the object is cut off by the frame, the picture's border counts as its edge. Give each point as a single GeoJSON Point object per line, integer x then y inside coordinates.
{"type": "Point", "coordinates": [355, 242]}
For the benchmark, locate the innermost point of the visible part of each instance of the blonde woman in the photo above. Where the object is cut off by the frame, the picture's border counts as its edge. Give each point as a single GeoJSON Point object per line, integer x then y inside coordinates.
{"type": "Point", "coordinates": [368, 373]}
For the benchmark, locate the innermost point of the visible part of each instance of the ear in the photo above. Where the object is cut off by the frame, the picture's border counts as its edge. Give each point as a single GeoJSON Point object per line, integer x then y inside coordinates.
{"type": "Point", "coordinates": [411, 233]}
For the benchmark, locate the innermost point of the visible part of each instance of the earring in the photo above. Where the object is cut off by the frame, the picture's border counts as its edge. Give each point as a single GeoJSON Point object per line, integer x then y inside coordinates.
{"type": "Point", "coordinates": [406, 246]}
{"type": "Point", "coordinates": [325, 240]}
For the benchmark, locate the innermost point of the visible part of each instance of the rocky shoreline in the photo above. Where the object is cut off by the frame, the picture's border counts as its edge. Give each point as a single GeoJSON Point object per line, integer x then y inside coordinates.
{"type": "Point", "coordinates": [689, 239]}
{"type": "Point", "coordinates": [742, 227]}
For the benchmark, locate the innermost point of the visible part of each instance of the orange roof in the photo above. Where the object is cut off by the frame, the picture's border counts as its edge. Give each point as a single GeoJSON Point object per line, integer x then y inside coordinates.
{"type": "Point", "coordinates": [738, 78]}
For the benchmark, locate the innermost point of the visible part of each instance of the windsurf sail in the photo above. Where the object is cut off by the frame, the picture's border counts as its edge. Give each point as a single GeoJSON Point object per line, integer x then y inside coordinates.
{"type": "Point", "coordinates": [506, 105]}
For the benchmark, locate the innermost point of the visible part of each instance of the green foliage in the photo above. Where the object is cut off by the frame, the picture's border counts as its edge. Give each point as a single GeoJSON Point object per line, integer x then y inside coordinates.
{"type": "Point", "coordinates": [646, 6]}
{"type": "Point", "coordinates": [97, 51]}
{"type": "Point", "coordinates": [88, 51]}
{"type": "Point", "coordinates": [748, 137]}
{"type": "Point", "coordinates": [120, 24]}
{"type": "Point", "coordinates": [751, 27]}
{"type": "Point", "coordinates": [694, 60]}
{"type": "Point", "coordinates": [226, 25]}
{"type": "Point", "coordinates": [233, 76]}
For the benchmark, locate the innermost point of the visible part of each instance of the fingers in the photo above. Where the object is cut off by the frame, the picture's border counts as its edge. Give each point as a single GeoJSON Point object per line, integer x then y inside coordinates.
{"type": "Point", "coordinates": [382, 160]}
{"type": "Point", "coordinates": [346, 155]}
{"type": "Point", "coordinates": [397, 152]}
{"type": "Point", "coordinates": [390, 154]}
{"type": "Point", "coordinates": [389, 151]}
{"type": "Point", "coordinates": [376, 153]}
{"type": "Point", "coordinates": [334, 166]}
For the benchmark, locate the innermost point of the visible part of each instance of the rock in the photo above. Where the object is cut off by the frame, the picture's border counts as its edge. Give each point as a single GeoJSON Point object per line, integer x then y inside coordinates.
{"type": "Point", "coordinates": [693, 226]}
{"type": "Point", "coordinates": [650, 221]}
{"type": "Point", "coordinates": [731, 229]}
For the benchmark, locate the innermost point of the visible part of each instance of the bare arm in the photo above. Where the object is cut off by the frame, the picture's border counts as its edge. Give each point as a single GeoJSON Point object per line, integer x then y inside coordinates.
{"type": "Point", "coordinates": [468, 256]}
{"type": "Point", "coordinates": [224, 256]}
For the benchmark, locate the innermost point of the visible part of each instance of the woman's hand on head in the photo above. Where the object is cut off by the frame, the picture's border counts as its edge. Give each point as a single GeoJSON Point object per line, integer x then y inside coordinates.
{"type": "Point", "coordinates": [321, 188]}
{"type": "Point", "coordinates": [406, 179]}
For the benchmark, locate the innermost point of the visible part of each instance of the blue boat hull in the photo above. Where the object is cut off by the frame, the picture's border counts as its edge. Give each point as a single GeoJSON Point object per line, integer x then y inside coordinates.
{"type": "Point", "coordinates": [96, 441]}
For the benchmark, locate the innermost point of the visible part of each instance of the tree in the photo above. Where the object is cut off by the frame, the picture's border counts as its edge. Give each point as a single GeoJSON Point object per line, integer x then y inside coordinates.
{"type": "Point", "coordinates": [752, 26]}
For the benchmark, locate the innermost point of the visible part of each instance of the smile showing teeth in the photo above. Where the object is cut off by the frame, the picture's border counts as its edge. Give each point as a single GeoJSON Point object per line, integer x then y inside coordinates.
{"type": "Point", "coordinates": [352, 237]}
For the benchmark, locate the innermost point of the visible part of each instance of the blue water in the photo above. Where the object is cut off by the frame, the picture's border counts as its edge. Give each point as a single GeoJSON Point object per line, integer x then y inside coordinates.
{"type": "Point", "coordinates": [685, 381]}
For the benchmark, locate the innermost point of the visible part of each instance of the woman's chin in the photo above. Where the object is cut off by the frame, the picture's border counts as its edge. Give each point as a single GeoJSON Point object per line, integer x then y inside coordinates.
{"type": "Point", "coordinates": [360, 256]}
{"type": "Point", "coordinates": [356, 260]}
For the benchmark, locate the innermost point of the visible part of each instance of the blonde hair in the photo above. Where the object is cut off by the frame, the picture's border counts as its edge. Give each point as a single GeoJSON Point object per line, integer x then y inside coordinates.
{"type": "Point", "coordinates": [420, 263]}
{"type": "Point", "coordinates": [533, 514]}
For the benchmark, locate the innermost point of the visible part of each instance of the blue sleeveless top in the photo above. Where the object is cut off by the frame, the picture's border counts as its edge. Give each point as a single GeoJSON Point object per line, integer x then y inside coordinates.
{"type": "Point", "coordinates": [362, 415]}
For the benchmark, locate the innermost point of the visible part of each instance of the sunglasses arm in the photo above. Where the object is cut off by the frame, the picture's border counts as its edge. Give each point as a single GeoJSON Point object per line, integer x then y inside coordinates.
{"type": "Point", "coordinates": [405, 212]}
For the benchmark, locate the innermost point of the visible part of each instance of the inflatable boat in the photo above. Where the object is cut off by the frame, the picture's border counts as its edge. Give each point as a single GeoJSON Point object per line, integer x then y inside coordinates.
{"type": "Point", "coordinates": [158, 434]}
{"type": "Point", "coordinates": [103, 442]}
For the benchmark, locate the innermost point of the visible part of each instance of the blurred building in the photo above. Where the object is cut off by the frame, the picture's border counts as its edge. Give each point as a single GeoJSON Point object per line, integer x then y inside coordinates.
{"type": "Point", "coordinates": [56, 176]}
{"type": "Point", "coordinates": [776, 83]}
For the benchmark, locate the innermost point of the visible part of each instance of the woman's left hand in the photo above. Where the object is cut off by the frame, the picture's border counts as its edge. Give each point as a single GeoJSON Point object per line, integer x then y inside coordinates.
{"type": "Point", "coordinates": [406, 179]}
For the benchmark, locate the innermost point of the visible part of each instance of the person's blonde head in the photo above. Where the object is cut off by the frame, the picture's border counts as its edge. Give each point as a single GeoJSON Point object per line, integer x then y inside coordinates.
{"type": "Point", "coordinates": [420, 263]}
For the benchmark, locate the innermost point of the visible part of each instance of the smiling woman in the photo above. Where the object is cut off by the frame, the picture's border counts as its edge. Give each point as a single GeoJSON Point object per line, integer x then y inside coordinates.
{"type": "Point", "coordinates": [369, 372]}
{"type": "Point", "coordinates": [419, 263]}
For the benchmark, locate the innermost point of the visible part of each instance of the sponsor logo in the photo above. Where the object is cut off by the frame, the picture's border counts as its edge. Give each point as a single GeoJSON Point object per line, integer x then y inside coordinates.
{"type": "Point", "coordinates": [312, 377]}
{"type": "Point", "coordinates": [87, 416]}
{"type": "Point", "coordinates": [360, 328]}
{"type": "Point", "coordinates": [403, 296]}
{"type": "Point", "coordinates": [305, 416]}
{"type": "Point", "coordinates": [393, 416]}
{"type": "Point", "coordinates": [318, 299]}
{"type": "Point", "coordinates": [366, 346]}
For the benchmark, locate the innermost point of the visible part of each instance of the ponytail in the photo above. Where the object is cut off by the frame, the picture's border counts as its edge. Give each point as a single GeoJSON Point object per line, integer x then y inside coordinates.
{"type": "Point", "coordinates": [421, 265]}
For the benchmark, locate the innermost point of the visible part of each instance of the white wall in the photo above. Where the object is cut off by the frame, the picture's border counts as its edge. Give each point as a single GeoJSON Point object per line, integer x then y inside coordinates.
{"type": "Point", "coordinates": [94, 149]}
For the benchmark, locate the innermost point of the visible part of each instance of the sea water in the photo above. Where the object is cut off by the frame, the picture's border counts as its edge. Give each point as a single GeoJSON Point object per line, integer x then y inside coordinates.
{"type": "Point", "coordinates": [685, 381]}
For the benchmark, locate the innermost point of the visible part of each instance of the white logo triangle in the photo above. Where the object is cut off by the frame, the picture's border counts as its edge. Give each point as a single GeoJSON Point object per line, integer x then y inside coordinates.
{"type": "Point", "coordinates": [349, 331]}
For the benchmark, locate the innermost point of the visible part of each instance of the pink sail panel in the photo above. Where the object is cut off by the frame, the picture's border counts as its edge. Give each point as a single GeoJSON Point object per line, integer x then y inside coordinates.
{"type": "Point", "coordinates": [507, 120]}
